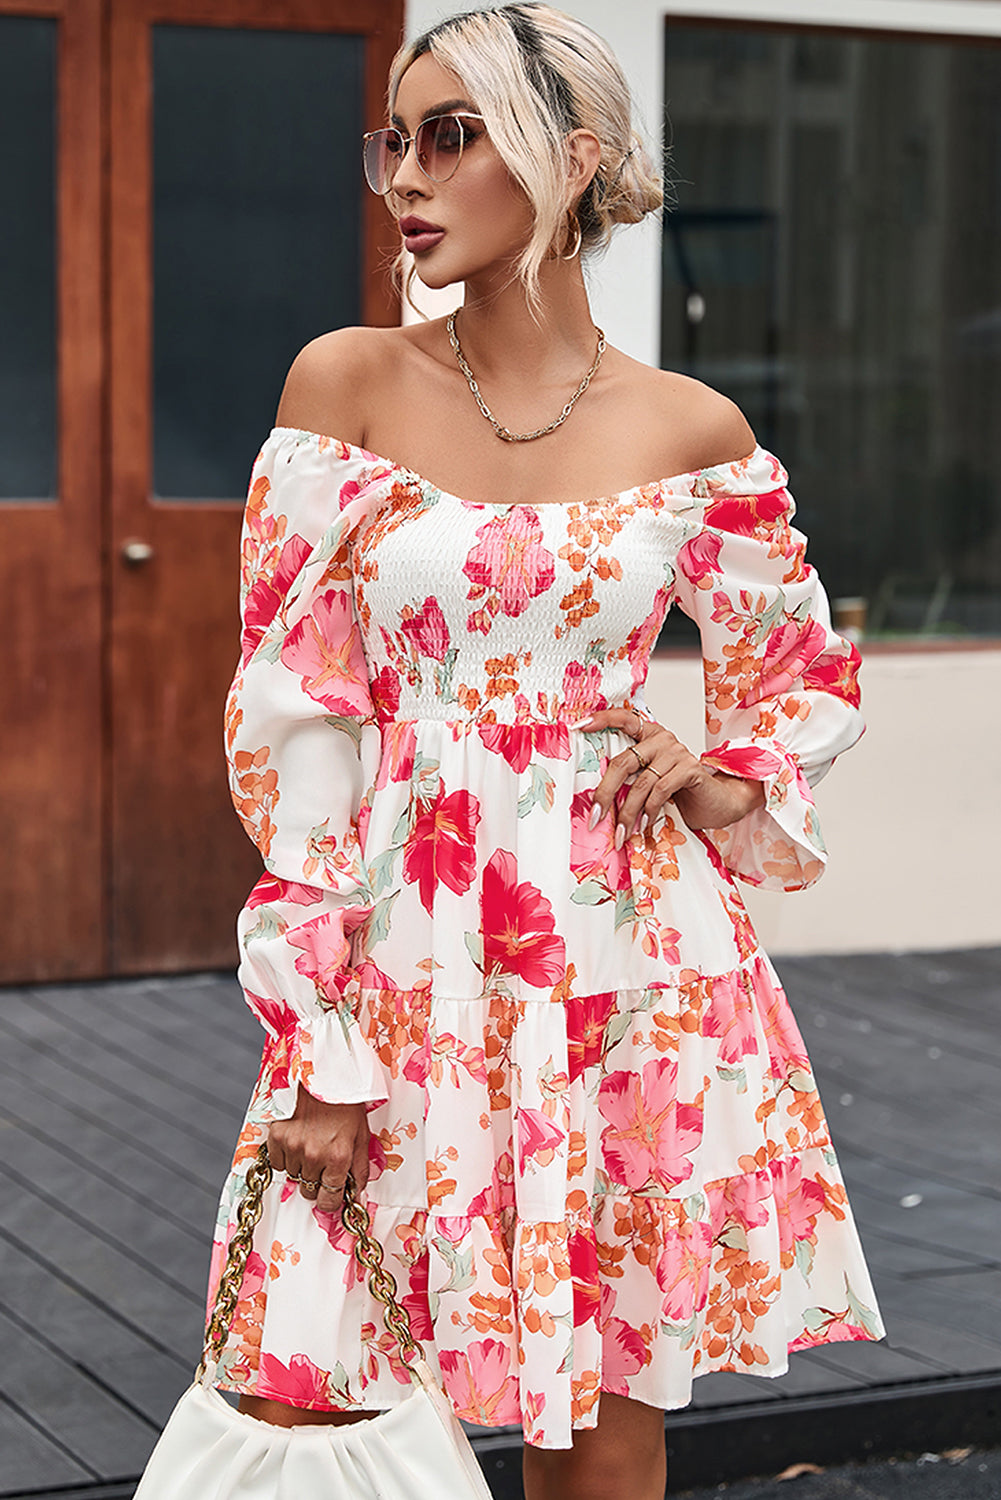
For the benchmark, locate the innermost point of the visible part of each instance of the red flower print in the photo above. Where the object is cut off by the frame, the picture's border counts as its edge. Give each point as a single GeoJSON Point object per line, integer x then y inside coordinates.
{"type": "Point", "coordinates": [729, 1017]}
{"type": "Point", "coordinates": [587, 1018]}
{"type": "Point", "coordinates": [786, 1048]}
{"type": "Point", "coordinates": [518, 925]}
{"type": "Point", "coordinates": [789, 650]}
{"type": "Point", "coordinates": [836, 674]}
{"type": "Point", "coordinates": [509, 566]}
{"type": "Point", "coordinates": [650, 1135]}
{"type": "Point", "coordinates": [275, 1015]}
{"type": "Point", "coordinates": [325, 650]}
{"type": "Point", "coordinates": [742, 1200]}
{"type": "Point", "coordinates": [385, 690]}
{"type": "Point", "coordinates": [586, 1281]}
{"type": "Point", "coordinates": [748, 761]}
{"type": "Point", "coordinates": [269, 888]}
{"type": "Point", "coordinates": [325, 950]}
{"type": "Point", "coordinates": [479, 1383]}
{"type": "Point", "coordinates": [698, 559]}
{"type": "Point", "coordinates": [521, 743]}
{"type": "Point", "coordinates": [623, 1353]}
{"type": "Point", "coordinates": [683, 1271]}
{"type": "Point", "coordinates": [415, 1297]}
{"type": "Point", "coordinates": [442, 845]}
{"type": "Point", "coordinates": [538, 1137]}
{"type": "Point", "coordinates": [641, 640]}
{"type": "Point", "coordinates": [399, 745]}
{"type": "Point", "coordinates": [267, 594]}
{"type": "Point", "coordinates": [299, 1383]}
{"type": "Point", "coordinates": [582, 690]}
{"type": "Point", "coordinates": [798, 1203]}
{"type": "Point", "coordinates": [427, 629]}
{"type": "Point", "coordinates": [743, 514]}
{"type": "Point", "coordinates": [593, 855]}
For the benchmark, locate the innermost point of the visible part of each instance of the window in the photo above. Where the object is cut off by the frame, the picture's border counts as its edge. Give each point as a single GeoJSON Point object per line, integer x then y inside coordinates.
{"type": "Point", "coordinates": [831, 263]}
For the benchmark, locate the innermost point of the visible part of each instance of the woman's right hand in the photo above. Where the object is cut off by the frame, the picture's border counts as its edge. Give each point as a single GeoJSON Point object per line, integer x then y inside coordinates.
{"type": "Point", "coordinates": [321, 1144]}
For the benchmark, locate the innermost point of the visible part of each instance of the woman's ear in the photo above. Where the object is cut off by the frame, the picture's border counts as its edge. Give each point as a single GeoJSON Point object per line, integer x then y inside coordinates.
{"type": "Point", "coordinates": [583, 160]}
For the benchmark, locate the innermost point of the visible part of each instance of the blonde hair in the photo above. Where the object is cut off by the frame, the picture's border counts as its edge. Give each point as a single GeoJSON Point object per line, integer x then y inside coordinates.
{"type": "Point", "coordinates": [535, 74]}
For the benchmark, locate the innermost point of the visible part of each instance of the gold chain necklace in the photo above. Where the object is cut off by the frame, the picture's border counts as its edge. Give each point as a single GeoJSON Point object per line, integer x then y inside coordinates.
{"type": "Point", "coordinates": [502, 432]}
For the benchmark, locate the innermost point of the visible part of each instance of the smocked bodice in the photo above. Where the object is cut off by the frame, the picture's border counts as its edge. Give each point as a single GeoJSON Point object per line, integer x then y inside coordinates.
{"type": "Point", "coordinates": [511, 613]}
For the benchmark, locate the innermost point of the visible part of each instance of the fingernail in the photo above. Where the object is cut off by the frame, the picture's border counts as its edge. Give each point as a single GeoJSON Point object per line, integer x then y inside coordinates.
{"type": "Point", "coordinates": [641, 826]}
{"type": "Point", "coordinates": [620, 835]}
{"type": "Point", "coordinates": [595, 817]}
{"type": "Point", "coordinates": [581, 722]}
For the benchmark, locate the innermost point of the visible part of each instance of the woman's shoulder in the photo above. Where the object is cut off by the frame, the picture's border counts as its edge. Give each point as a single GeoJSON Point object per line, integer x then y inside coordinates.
{"type": "Point", "coordinates": [327, 382]}
{"type": "Point", "coordinates": [690, 424]}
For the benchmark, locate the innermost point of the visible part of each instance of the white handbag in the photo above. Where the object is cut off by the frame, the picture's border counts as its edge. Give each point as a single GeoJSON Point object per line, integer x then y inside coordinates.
{"type": "Point", "coordinates": [210, 1451]}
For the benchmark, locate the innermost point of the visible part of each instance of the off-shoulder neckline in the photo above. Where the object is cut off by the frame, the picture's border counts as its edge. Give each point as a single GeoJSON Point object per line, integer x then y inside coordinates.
{"type": "Point", "coordinates": [634, 489]}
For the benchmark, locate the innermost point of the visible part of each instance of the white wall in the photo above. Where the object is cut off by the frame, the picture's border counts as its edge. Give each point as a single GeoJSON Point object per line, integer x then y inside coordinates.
{"type": "Point", "coordinates": [912, 816]}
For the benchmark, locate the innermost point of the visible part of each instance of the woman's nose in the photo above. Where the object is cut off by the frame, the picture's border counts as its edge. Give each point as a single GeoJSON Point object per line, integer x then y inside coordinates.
{"type": "Point", "coordinates": [408, 174]}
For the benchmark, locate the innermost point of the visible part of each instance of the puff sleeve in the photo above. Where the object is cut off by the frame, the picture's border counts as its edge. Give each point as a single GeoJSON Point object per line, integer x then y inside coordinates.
{"type": "Point", "coordinates": [781, 690]}
{"type": "Point", "coordinates": [301, 746]}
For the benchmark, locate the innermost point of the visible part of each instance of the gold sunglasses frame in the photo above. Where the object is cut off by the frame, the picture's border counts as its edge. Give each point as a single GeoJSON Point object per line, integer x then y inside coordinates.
{"type": "Point", "coordinates": [409, 140]}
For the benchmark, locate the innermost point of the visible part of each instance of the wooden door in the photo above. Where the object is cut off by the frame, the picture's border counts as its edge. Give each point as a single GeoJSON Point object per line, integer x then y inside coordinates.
{"type": "Point", "coordinates": [52, 875]}
{"type": "Point", "coordinates": [226, 118]}
{"type": "Point", "coordinates": [211, 219]}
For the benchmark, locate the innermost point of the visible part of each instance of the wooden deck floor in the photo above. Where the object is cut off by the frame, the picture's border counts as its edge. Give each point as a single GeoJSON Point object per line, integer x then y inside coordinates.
{"type": "Point", "coordinates": [119, 1104]}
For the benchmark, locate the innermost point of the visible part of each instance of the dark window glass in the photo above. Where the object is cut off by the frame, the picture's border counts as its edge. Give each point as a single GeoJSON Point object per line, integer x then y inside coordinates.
{"type": "Point", "coordinates": [257, 194]}
{"type": "Point", "coordinates": [27, 259]}
{"type": "Point", "coordinates": [832, 264]}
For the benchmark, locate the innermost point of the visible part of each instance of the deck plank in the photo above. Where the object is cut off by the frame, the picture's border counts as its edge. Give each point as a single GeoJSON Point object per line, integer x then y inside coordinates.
{"type": "Point", "coordinates": [120, 1103]}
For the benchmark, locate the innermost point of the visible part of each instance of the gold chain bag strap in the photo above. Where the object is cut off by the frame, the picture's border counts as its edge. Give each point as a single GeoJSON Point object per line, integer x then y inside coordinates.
{"type": "Point", "coordinates": [209, 1449]}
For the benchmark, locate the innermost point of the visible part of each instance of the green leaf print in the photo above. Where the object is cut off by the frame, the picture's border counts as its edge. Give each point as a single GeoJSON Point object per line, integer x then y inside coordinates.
{"type": "Point", "coordinates": [590, 893]}
{"type": "Point", "coordinates": [443, 675]}
{"type": "Point", "coordinates": [766, 622]}
{"type": "Point", "coordinates": [268, 925]}
{"type": "Point", "coordinates": [861, 1316]}
{"type": "Point", "coordinates": [474, 947]}
{"type": "Point", "coordinates": [350, 726]}
{"type": "Point", "coordinates": [460, 1265]}
{"type": "Point", "coordinates": [804, 1257]}
{"type": "Point", "coordinates": [589, 763]}
{"type": "Point", "coordinates": [541, 790]}
{"type": "Point", "coordinates": [596, 651]}
{"type": "Point", "coordinates": [380, 869]}
{"type": "Point", "coordinates": [402, 828]}
{"type": "Point", "coordinates": [625, 908]}
{"type": "Point", "coordinates": [734, 1075]}
{"type": "Point", "coordinates": [377, 925]}
{"type": "Point", "coordinates": [734, 1237]}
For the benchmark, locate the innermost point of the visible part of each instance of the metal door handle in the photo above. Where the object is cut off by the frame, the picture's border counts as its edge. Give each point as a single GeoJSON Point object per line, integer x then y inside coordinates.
{"type": "Point", "coordinates": [135, 551]}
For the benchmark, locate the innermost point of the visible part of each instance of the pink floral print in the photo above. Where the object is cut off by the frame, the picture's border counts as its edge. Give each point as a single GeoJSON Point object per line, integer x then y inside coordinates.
{"type": "Point", "coordinates": [599, 1162]}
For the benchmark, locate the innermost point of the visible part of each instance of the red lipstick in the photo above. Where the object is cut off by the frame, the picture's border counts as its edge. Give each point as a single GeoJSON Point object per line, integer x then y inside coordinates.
{"type": "Point", "coordinates": [419, 235]}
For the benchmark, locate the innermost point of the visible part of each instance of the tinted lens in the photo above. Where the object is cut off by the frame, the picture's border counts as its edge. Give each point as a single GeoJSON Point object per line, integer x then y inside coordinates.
{"type": "Point", "coordinates": [439, 146]}
{"type": "Point", "coordinates": [381, 154]}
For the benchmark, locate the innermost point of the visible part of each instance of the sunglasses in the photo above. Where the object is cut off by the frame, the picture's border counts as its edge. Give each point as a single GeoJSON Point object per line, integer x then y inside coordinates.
{"type": "Point", "coordinates": [438, 144]}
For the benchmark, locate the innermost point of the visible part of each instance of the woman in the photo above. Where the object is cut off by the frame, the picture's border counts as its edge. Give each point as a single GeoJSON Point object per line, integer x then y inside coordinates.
{"type": "Point", "coordinates": [506, 975]}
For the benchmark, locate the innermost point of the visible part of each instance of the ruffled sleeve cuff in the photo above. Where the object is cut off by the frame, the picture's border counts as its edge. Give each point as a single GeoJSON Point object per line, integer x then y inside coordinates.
{"type": "Point", "coordinates": [778, 846]}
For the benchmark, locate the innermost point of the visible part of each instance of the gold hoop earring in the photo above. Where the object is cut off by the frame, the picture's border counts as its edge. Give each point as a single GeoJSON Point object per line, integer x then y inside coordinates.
{"type": "Point", "coordinates": [574, 235]}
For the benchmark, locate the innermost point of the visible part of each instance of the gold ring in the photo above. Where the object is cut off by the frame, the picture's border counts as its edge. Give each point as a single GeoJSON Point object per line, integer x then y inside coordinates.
{"type": "Point", "coordinates": [643, 763]}
{"type": "Point", "coordinates": [314, 1187]}
{"type": "Point", "coordinates": [292, 1177]}
{"type": "Point", "coordinates": [332, 1188]}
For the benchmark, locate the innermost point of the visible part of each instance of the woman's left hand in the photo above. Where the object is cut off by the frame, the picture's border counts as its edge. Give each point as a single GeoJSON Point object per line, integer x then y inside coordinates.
{"type": "Point", "coordinates": [705, 797]}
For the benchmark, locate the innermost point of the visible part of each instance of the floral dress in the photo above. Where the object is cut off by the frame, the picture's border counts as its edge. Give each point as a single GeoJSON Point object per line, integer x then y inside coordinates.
{"type": "Point", "coordinates": [598, 1157]}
